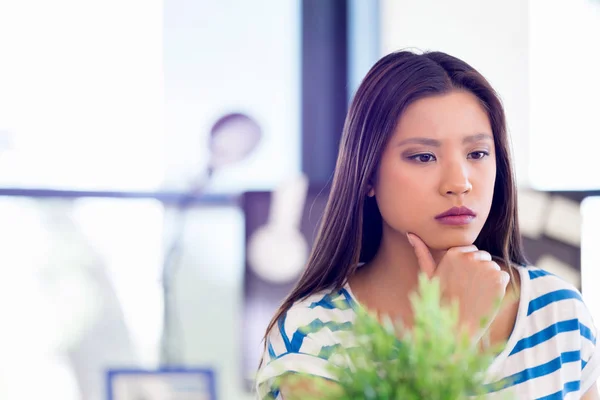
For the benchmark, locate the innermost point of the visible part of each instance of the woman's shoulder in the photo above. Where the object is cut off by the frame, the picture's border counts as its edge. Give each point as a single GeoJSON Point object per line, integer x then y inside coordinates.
{"type": "Point", "coordinates": [556, 322]}
{"type": "Point", "coordinates": [551, 299]}
{"type": "Point", "coordinates": [545, 285]}
{"type": "Point", "coordinates": [313, 322]}
{"type": "Point", "coordinates": [304, 340]}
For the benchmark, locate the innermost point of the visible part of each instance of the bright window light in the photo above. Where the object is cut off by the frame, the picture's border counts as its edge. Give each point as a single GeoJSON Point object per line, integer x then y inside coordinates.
{"type": "Point", "coordinates": [564, 87]}
{"type": "Point", "coordinates": [81, 93]}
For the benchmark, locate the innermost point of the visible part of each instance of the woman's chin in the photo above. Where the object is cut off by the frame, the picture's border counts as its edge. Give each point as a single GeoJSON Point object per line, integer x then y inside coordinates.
{"type": "Point", "coordinates": [445, 241]}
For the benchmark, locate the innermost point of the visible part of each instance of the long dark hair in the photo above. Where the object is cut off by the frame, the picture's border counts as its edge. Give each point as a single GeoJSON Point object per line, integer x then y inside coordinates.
{"type": "Point", "coordinates": [351, 228]}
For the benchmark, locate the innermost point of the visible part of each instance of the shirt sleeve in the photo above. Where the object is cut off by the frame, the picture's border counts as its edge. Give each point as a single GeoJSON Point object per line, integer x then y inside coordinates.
{"type": "Point", "coordinates": [289, 349]}
{"type": "Point", "coordinates": [590, 352]}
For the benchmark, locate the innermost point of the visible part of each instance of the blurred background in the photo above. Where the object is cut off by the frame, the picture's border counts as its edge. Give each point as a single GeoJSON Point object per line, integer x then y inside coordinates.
{"type": "Point", "coordinates": [163, 165]}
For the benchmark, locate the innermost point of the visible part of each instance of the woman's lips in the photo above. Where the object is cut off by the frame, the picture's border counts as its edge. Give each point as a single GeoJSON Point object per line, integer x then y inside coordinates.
{"type": "Point", "coordinates": [456, 219]}
{"type": "Point", "coordinates": [456, 216]}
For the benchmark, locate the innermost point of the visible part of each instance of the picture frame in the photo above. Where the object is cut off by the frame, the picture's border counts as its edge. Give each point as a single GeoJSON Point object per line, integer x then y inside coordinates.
{"type": "Point", "coordinates": [160, 384]}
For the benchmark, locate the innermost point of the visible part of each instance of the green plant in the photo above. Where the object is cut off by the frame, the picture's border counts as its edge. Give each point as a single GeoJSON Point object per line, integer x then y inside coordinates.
{"type": "Point", "coordinates": [430, 361]}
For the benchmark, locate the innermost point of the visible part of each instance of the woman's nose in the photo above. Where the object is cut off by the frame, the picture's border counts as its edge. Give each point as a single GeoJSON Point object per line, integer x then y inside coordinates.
{"type": "Point", "coordinates": [455, 180]}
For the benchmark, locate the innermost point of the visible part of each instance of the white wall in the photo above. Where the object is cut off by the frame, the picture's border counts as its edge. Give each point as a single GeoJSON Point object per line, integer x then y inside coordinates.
{"type": "Point", "coordinates": [564, 86]}
{"type": "Point", "coordinates": [491, 36]}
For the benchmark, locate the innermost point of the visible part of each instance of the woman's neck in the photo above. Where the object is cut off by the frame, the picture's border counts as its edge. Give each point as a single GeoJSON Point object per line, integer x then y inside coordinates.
{"type": "Point", "coordinates": [395, 260]}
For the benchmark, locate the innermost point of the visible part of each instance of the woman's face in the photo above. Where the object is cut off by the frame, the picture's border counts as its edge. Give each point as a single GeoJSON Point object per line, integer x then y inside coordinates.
{"type": "Point", "coordinates": [441, 156]}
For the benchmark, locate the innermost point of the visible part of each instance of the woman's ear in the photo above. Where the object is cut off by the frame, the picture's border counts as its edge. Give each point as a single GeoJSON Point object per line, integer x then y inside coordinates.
{"type": "Point", "coordinates": [370, 187]}
{"type": "Point", "coordinates": [371, 191]}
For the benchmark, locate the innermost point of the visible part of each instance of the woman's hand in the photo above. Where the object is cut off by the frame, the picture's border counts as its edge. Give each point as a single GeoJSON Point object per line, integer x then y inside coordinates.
{"type": "Point", "coordinates": [467, 275]}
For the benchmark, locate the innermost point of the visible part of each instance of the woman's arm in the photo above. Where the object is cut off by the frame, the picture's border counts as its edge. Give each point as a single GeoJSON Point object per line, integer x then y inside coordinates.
{"type": "Point", "coordinates": [592, 393]}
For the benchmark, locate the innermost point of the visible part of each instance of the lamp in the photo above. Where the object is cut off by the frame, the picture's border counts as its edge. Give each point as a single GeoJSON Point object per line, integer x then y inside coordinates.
{"type": "Point", "coordinates": [232, 138]}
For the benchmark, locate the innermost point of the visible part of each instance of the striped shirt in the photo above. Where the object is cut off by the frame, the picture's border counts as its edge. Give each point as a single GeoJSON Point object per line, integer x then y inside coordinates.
{"type": "Point", "coordinates": [550, 354]}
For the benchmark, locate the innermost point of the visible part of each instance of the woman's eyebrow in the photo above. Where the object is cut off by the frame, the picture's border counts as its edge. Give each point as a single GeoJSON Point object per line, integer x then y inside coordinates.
{"type": "Point", "coordinates": [477, 137]}
{"type": "Point", "coordinates": [436, 143]}
{"type": "Point", "coordinates": [424, 141]}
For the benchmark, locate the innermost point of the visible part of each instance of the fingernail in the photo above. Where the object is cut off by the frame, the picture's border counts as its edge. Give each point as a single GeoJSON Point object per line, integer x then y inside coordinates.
{"type": "Point", "coordinates": [410, 240]}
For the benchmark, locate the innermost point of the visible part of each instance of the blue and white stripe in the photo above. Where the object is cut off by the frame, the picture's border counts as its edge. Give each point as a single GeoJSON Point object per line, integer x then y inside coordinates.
{"type": "Point", "coordinates": [551, 353]}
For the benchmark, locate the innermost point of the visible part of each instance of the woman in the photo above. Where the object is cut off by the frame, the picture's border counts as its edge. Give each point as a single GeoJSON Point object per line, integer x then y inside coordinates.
{"type": "Point", "coordinates": [424, 183]}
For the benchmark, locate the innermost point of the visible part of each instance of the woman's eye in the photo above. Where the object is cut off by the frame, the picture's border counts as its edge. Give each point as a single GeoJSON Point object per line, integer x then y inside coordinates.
{"type": "Point", "coordinates": [478, 155]}
{"type": "Point", "coordinates": [423, 158]}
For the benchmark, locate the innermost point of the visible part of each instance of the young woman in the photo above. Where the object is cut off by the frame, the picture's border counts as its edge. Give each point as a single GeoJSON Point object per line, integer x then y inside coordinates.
{"type": "Point", "coordinates": [424, 183]}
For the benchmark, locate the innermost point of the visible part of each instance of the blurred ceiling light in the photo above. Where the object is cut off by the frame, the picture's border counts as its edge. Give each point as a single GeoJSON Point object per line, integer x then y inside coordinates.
{"type": "Point", "coordinates": [232, 138]}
